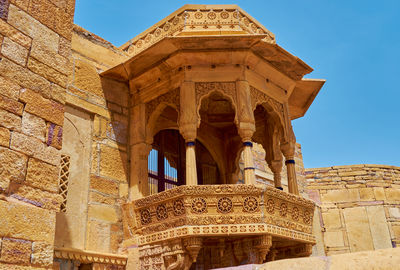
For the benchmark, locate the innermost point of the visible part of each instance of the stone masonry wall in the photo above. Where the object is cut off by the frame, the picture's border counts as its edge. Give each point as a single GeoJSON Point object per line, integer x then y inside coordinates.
{"type": "Point", "coordinates": [360, 206]}
{"type": "Point", "coordinates": [35, 37]}
{"type": "Point", "coordinates": [106, 104]}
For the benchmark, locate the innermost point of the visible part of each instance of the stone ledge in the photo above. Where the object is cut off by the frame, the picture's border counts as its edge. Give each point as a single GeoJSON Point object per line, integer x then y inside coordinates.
{"type": "Point", "coordinates": [90, 256]}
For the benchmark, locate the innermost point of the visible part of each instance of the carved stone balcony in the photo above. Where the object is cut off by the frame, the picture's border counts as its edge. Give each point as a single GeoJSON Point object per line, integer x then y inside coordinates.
{"type": "Point", "coordinates": [263, 215]}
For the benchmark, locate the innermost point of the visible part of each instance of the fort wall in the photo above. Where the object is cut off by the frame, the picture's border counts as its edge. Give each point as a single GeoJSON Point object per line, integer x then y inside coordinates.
{"type": "Point", "coordinates": [96, 128]}
{"type": "Point", "coordinates": [35, 38]}
{"type": "Point", "coordinates": [359, 206]}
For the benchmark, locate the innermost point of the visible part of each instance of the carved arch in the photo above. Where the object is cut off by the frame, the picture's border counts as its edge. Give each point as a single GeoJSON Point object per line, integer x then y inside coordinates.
{"type": "Point", "coordinates": [205, 89]}
{"type": "Point", "coordinates": [151, 129]}
{"type": "Point", "coordinates": [218, 158]}
{"type": "Point", "coordinates": [260, 98]}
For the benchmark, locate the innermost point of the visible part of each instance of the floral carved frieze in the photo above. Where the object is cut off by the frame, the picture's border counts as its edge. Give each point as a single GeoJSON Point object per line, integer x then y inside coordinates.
{"type": "Point", "coordinates": [229, 20]}
{"type": "Point", "coordinates": [214, 205]}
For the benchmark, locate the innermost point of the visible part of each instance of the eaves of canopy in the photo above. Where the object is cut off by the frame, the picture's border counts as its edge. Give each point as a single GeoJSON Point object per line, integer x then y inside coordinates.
{"type": "Point", "coordinates": [217, 35]}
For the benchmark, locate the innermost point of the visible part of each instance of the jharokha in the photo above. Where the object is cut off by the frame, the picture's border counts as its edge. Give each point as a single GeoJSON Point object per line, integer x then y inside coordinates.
{"type": "Point", "coordinates": [173, 151]}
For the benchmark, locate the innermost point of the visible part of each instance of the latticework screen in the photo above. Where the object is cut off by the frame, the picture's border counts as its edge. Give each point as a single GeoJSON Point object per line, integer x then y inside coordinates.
{"type": "Point", "coordinates": [63, 181]}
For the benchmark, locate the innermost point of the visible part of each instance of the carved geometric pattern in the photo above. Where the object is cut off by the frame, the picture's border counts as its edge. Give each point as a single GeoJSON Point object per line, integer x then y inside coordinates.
{"type": "Point", "coordinates": [307, 217]}
{"type": "Point", "coordinates": [216, 230]}
{"type": "Point", "coordinates": [278, 208]}
{"type": "Point", "coordinates": [295, 213]}
{"type": "Point", "coordinates": [63, 181]}
{"type": "Point", "coordinates": [283, 209]}
{"type": "Point", "coordinates": [271, 206]}
{"type": "Point", "coordinates": [172, 97]}
{"type": "Point", "coordinates": [179, 207]}
{"type": "Point", "coordinates": [195, 20]}
{"type": "Point", "coordinates": [224, 205]}
{"type": "Point", "coordinates": [199, 205]}
{"type": "Point", "coordinates": [250, 204]}
{"type": "Point", "coordinates": [161, 212]}
{"type": "Point", "coordinates": [145, 216]}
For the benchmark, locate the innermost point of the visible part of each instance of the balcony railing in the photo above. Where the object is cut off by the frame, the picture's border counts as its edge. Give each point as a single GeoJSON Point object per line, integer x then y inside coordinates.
{"type": "Point", "coordinates": [220, 210]}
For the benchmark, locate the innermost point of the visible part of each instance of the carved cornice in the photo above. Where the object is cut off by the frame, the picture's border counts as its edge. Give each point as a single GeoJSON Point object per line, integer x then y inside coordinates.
{"type": "Point", "coordinates": [196, 19]}
{"type": "Point", "coordinates": [89, 257]}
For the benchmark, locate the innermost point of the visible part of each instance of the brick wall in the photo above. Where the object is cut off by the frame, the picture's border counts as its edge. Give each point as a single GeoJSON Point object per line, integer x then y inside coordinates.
{"type": "Point", "coordinates": [34, 64]}
{"type": "Point", "coordinates": [360, 206]}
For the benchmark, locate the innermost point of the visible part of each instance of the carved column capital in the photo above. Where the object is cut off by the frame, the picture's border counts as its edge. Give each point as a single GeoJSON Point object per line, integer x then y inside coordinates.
{"type": "Point", "coordinates": [288, 149]}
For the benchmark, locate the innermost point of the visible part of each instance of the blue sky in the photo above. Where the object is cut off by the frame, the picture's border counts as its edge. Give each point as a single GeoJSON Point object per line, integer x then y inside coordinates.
{"type": "Point", "coordinates": [354, 45]}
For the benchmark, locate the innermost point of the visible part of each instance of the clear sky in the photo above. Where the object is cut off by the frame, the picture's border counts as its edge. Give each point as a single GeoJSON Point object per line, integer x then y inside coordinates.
{"type": "Point", "coordinates": [353, 44]}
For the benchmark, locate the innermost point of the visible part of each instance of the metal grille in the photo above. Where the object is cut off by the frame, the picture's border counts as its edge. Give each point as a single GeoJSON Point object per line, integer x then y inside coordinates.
{"type": "Point", "coordinates": [63, 181]}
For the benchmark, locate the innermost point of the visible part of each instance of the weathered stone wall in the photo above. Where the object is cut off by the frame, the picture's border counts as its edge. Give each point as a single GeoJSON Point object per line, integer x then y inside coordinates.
{"type": "Point", "coordinates": [97, 109]}
{"type": "Point", "coordinates": [35, 39]}
{"type": "Point", "coordinates": [360, 206]}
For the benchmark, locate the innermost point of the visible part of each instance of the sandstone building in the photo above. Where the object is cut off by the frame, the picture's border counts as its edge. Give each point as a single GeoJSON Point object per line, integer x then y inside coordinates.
{"type": "Point", "coordinates": [174, 151]}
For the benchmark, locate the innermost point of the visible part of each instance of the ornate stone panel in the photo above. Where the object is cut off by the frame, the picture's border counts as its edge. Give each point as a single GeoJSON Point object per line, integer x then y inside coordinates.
{"type": "Point", "coordinates": [205, 88]}
{"type": "Point", "coordinates": [192, 21]}
{"type": "Point", "coordinates": [171, 98]}
{"type": "Point", "coordinates": [215, 210]}
{"type": "Point", "coordinates": [258, 97]}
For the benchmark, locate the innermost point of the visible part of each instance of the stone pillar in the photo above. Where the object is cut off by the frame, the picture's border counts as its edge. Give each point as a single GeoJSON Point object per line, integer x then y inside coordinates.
{"type": "Point", "coordinates": [191, 170]}
{"type": "Point", "coordinates": [273, 154]}
{"type": "Point", "coordinates": [249, 175]}
{"type": "Point", "coordinates": [139, 151]}
{"type": "Point", "coordinates": [246, 128]}
{"type": "Point", "coordinates": [288, 150]}
{"type": "Point", "coordinates": [276, 168]}
{"type": "Point", "coordinates": [188, 121]}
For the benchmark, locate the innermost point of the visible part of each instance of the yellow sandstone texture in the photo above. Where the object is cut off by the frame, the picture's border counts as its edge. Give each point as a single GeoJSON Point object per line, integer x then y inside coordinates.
{"type": "Point", "coordinates": [359, 206]}
{"type": "Point", "coordinates": [72, 139]}
{"type": "Point", "coordinates": [383, 259]}
{"type": "Point", "coordinates": [33, 79]}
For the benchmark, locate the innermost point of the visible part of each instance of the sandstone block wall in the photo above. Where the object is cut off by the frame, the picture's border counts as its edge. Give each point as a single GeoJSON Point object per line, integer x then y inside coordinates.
{"type": "Point", "coordinates": [360, 206]}
{"type": "Point", "coordinates": [98, 111]}
{"type": "Point", "coordinates": [35, 37]}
